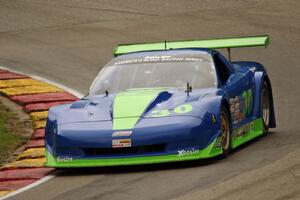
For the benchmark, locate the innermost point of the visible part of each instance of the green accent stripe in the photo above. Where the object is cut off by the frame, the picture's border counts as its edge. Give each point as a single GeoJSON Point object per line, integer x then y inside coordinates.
{"type": "Point", "coordinates": [210, 151]}
{"type": "Point", "coordinates": [130, 105]}
{"type": "Point", "coordinates": [217, 43]}
{"type": "Point", "coordinates": [255, 130]}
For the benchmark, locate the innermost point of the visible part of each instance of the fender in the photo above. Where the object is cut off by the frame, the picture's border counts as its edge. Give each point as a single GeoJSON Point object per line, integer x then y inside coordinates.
{"type": "Point", "coordinates": [212, 105]}
{"type": "Point", "coordinates": [259, 77]}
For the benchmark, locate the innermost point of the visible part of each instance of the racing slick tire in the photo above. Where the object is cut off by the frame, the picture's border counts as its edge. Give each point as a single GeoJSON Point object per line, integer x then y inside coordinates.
{"type": "Point", "coordinates": [265, 107]}
{"type": "Point", "coordinates": [226, 131]}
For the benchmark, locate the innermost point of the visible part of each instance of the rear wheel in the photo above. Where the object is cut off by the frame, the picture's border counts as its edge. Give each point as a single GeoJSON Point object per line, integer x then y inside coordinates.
{"type": "Point", "coordinates": [265, 107]}
{"type": "Point", "coordinates": [225, 131]}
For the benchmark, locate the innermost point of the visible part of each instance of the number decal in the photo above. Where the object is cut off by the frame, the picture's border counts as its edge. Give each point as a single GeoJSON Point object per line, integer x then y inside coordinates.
{"type": "Point", "coordinates": [247, 96]}
{"type": "Point", "coordinates": [160, 113]}
{"type": "Point", "coordinates": [182, 109]}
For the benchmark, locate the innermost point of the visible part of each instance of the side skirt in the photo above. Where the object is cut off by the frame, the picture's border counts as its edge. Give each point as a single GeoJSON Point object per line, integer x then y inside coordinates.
{"type": "Point", "coordinates": [247, 132]}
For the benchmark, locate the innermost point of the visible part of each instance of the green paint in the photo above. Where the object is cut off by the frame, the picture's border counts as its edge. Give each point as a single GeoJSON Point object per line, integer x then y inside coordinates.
{"type": "Point", "coordinates": [50, 160]}
{"type": "Point", "coordinates": [124, 123]}
{"type": "Point", "coordinates": [210, 151]}
{"type": "Point", "coordinates": [182, 109]}
{"type": "Point", "coordinates": [247, 96]}
{"type": "Point", "coordinates": [130, 105]}
{"type": "Point", "coordinates": [251, 131]}
{"type": "Point", "coordinates": [218, 43]}
{"type": "Point", "coordinates": [185, 108]}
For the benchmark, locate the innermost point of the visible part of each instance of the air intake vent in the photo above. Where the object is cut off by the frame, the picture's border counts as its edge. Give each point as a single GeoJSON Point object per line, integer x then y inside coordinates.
{"type": "Point", "coordinates": [124, 151]}
{"type": "Point", "coordinates": [79, 104]}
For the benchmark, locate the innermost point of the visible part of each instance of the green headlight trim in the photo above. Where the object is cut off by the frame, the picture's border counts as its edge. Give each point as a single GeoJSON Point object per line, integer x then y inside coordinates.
{"type": "Point", "coordinates": [208, 152]}
{"type": "Point", "coordinates": [130, 105]}
{"type": "Point", "coordinates": [218, 43]}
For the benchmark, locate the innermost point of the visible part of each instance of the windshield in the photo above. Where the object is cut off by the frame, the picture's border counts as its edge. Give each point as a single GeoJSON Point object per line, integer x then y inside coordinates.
{"type": "Point", "coordinates": [167, 71]}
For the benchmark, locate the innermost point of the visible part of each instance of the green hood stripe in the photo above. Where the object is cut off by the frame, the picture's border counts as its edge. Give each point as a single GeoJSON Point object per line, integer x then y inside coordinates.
{"type": "Point", "coordinates": [130, 105]}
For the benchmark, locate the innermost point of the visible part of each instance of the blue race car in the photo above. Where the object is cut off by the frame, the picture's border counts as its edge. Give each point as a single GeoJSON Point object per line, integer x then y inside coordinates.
{"type": "Point", "coordinates": [164, 102]}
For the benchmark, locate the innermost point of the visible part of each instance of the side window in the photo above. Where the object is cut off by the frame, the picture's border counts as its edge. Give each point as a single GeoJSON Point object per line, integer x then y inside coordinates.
{"type": "Point", "coordinates": [221, 69]}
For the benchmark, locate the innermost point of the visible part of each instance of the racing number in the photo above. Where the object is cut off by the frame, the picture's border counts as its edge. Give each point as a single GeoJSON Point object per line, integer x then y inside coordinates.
{"type": "Point", "coordinates": [185, 108]}
{"type": "Point", "coordinates": [247, 96]}
{"type": "Point", "coordinates": [160, 113]}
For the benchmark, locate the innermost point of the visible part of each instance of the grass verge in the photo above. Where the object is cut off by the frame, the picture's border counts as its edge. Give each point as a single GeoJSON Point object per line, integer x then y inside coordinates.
{"type": "Point", "coordinates": [9, 139]}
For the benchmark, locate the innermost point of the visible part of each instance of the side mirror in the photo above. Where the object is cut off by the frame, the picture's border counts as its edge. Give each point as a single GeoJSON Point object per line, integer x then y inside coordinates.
{"type": "Point", "coordinates": [234, 78]}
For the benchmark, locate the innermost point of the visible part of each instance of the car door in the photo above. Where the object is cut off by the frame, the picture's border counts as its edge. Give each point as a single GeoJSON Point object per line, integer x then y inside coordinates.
{"type": "Point", "coordinates": [238, 86]}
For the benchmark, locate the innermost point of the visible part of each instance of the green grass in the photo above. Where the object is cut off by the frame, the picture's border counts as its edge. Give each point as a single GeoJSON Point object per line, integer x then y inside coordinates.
{"type": "Point", "coordinates": [9, 141]}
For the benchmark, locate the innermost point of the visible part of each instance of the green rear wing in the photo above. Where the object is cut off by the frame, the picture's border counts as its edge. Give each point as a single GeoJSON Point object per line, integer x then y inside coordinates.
{"type": "Point", "coordinates": [219, 43]}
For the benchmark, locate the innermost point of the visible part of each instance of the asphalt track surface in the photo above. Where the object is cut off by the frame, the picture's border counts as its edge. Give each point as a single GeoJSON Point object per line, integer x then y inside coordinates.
{"type": "Point", "coordinates": [69, 41]}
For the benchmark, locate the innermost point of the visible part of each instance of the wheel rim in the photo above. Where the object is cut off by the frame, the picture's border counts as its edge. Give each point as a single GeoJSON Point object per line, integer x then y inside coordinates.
{"type": "Point", "coordinates": [225, 138]}
{"type": "Point", "coordinates": [265, 107]}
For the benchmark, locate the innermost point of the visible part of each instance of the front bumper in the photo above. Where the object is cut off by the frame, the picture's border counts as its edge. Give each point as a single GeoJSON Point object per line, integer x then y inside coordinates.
{"type": "Point", "coordinates": [212, 150]}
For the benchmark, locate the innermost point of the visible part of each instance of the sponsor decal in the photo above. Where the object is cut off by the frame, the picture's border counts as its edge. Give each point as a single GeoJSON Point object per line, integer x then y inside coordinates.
{"type": "Point", "coordinates": [244, 130]}
{"type": "Point", "coordinates": [121, 133]}
{"type": "Point", "coordinates": [241, 106]}
{"type": "Point", "coordinates": [121, 143]}
{"type": "Point", "coordinates": [235, 109]}
{"type": "Point", "coordinates": [188, 152]}
{"type": "Point", "coordinates": [163, 58]}
{"type": "Point", "coordinates": [240, 133]}
{"type": "Point", "coordinates": [252, 126]}
{"type": "Point", "coordinates": [218, 143]}
{"type": "Point", "coordinates": [64, 159]}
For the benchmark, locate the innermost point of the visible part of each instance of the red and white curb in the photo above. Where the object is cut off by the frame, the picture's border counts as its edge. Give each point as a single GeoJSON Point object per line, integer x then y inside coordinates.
{"type": "Point", "coordinates": [36, 95]}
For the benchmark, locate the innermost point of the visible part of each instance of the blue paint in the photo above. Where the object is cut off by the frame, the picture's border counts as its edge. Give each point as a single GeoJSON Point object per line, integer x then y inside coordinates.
{"type": "Point", "coordinates": [88, 123]}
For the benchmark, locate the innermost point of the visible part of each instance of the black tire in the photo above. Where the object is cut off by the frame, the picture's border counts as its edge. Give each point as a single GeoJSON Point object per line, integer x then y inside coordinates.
{"type": "Point", "coordinates": [265, 107]}
{"type": "Point", "coordinates": [226, 130]}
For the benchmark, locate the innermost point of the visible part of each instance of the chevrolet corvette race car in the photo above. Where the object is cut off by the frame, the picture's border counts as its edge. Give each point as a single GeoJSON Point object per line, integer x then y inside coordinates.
{"type": "Point", "coordinates": [164, 102]}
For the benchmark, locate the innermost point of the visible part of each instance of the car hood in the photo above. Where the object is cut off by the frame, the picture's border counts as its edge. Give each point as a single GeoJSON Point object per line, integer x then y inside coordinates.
{"type": "Point", "coordinates": [126, 108]}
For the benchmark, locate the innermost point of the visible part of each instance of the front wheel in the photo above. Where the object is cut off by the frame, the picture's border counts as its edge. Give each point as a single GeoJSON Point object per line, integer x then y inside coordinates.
{"type": "Point", "coordinates": [225, 131]}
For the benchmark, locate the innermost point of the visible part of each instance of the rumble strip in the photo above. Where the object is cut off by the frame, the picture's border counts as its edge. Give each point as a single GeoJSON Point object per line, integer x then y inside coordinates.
{"type": "Point", "coordinates": [36, 97]}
